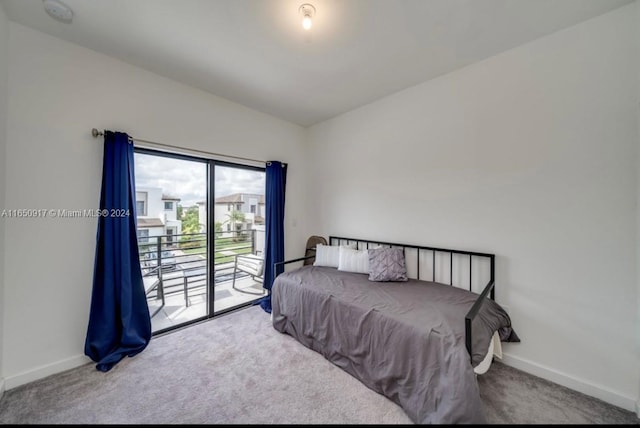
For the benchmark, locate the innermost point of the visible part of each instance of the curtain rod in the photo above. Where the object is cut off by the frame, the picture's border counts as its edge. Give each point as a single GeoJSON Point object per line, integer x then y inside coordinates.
{"type": "Point", "coordinates": [97, 134]}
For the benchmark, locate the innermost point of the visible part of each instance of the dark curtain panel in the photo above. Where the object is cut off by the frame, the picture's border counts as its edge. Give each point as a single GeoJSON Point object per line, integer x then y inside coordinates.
{"type": "Point", "coordinates": [276, 177]}
{"type": "Point", "coordinates": [119, 321]}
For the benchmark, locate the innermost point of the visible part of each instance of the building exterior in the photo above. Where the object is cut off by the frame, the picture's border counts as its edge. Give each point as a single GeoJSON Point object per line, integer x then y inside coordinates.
{"type": "Point", "coordinates": [157, 215]}
{"type": "Point", "coordinates": [251, 205]}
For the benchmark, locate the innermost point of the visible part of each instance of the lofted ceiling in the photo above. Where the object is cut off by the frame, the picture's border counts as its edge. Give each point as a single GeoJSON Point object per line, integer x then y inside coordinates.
{"type": "Point", "coordinates": [256, 53]}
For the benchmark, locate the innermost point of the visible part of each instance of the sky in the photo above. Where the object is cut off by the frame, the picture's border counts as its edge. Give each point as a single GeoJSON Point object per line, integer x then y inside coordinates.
{"type": "Point", "coordinates": [187, 180]}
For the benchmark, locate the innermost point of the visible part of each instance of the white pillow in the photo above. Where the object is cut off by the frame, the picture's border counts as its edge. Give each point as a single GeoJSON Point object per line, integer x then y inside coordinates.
{"type": "Point", "coordinates": [351, 260]}
{"type": "Point", "coordinates": [328, 255]}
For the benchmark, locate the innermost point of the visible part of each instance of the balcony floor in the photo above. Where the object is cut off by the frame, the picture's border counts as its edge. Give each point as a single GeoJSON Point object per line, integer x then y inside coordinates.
{"type": "Point", "coordinates": [175, 312]}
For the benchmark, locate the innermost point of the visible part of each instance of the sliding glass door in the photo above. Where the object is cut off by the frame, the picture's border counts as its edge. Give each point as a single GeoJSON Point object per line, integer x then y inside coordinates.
{"type": "Point", "coordinates": [238, 215]}
{"type": "Point", "coordinates": [200, 226]}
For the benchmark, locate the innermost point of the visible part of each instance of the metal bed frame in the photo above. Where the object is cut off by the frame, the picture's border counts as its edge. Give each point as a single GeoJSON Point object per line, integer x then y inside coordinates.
{"type": "Point", "coordinates": [489, 288]}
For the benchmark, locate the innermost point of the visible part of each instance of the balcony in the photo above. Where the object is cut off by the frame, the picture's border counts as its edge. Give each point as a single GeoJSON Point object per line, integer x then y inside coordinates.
{"type": "Point", "coordinates": [175, 270]}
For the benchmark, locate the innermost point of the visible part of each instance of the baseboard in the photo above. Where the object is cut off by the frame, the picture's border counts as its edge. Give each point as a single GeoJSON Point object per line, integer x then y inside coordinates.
{"type": "Point", "coordinates": [638, 409]}
{"type": "Point", "coordinates": [1, 387]}
{"type": "Point", "coordinates": [593, 390]}
{"type": "Point", "coordinates": [44, 371]}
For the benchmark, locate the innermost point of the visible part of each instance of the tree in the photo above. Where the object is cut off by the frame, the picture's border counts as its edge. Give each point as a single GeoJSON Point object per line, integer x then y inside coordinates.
{"type": "Point", "coordinates": [218, 229]}
{"type": "Point", "coordinates": [190, 221]}
{"type": "Point", "coordinates": [233, 217]}
{"type": "Point", "coordinates": [190, 225]}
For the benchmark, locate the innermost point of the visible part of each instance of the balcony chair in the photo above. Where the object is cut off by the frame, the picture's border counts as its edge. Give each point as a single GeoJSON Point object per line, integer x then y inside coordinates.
{"type": "Point", "coordinates": [252, 265]}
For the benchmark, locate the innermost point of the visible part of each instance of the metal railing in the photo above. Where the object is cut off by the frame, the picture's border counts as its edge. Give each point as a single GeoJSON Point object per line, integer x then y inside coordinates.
{"type": "Point", "coordinates": [173, 264]}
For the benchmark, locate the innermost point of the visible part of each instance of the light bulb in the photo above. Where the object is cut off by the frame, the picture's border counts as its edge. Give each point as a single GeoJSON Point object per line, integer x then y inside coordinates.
{"type": "Point", "coordinates": [307, 11]}
{"type": "Point", "coordinates": [306, 22]}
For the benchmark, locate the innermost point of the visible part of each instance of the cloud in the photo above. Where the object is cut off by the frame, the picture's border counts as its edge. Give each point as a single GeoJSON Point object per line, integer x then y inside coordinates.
{"type": "Point", "coordinates": [230, 180]}
{"type": "Point", "coordinates": [187, 180]}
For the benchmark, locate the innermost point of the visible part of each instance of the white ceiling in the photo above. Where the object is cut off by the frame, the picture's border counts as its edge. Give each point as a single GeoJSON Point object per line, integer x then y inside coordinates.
{"type": "Point", "coordinates": [256, 53]}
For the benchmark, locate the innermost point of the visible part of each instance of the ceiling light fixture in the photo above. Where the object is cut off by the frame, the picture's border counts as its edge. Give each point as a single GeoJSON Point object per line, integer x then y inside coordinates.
{"type": "Point", "coordinates": [307, 11]}
{"type": "Point", "coordinates": [58, 10]}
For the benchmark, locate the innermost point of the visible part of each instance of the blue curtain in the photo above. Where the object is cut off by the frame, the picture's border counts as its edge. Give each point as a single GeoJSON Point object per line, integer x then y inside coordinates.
{"type": "Point", "coordinates": [119, 321]}
{"type": "Point", "coordinates": [274, 236]}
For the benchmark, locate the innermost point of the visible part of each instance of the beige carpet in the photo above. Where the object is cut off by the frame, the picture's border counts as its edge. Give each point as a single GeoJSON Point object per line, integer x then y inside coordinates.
{"type": "Point", "coordinates": [236, 369]}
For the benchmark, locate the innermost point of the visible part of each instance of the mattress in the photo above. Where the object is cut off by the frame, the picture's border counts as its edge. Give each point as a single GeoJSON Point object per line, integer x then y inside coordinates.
{"type": "Point", "coordinates": [404, 340]}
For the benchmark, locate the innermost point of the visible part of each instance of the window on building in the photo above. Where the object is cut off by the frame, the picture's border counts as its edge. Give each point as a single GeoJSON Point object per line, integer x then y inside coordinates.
{"type": "Point", "coordinates": [168, 206]}
{"type": "Point", "coordinates": [253, 209]}
{"type": "Point", "coordinates": [238, 207]}
{"type": "Point", "coordinates": [143, 235]}
{"type": "Point", "coordinates": [141, 203]}
{"type": "Point", "coordinates": [229, 207]}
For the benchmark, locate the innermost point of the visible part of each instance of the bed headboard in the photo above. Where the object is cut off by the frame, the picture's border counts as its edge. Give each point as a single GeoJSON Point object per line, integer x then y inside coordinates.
{"type": "Point", "coordinates": [465, 269]}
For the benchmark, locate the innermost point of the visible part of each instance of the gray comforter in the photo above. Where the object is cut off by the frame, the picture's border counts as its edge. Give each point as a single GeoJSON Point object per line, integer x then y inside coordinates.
{"type": "Point", "coordinates": [404, 340]}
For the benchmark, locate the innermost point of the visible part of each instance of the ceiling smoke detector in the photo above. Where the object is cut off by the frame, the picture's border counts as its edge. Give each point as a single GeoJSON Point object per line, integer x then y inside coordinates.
{"type": "Point", "coordinates": [58, 10]}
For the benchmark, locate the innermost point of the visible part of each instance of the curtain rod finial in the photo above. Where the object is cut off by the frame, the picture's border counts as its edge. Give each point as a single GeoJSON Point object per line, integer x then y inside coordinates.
{"type": "Point", "coordinates": [95, 133]}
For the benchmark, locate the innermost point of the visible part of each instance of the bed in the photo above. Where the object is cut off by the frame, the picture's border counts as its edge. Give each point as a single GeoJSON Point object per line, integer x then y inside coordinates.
{"type": "Point", "coordinates": [416, 341]}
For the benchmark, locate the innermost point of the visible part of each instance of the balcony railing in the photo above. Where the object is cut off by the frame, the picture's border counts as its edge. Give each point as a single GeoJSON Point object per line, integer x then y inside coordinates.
{"type": "Point", "coordinates": [177, 264]}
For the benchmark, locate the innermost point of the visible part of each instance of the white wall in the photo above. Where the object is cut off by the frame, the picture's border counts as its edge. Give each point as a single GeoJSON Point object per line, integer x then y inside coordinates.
{"type": "Point", "coordinates": [4, 60]}
{"type": "Point", "coordinates": [58, 92]}
{"type": "Point", "coordinates": [172, 214]}
{"type": "Point", "coordinates": [154, 202]}
{"type": "Point", "coordinates": [530, 155]}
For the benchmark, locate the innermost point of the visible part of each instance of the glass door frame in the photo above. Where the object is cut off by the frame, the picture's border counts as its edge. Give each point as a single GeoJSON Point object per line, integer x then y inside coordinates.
{"type": "Point", "coordinates": [210, 239]}
{"type": "Point", "coordinates": [211, 232]}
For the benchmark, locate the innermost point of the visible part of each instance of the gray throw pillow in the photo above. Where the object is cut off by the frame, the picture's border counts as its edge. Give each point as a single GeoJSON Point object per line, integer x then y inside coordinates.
{"type": "Point", "coordinates": [387, 264]}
